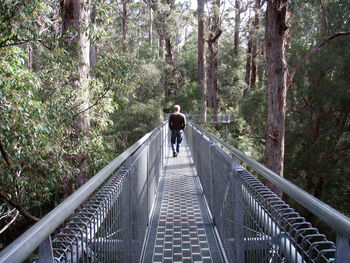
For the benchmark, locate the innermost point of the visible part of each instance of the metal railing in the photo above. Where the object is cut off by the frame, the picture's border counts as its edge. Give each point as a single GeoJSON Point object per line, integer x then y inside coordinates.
{"type": "Point", "coordinates": [114, 209]}
{"type": "Point", "coordinates": [112, 224]}
{"type": "Point", "coordinates": [252, 223]}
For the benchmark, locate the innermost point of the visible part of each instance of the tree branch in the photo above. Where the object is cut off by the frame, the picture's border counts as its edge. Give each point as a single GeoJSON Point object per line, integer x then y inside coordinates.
{"type": "Point", "coordinates": [9, 223]}
{"type": "Point", "coordinates": [325, 19]}
{"type": "Point", "coordinates": [312, 52]}
{"type": "Point", "coordinates": [20, 209]}
{"type": "Point", "coordinates": [218, 34]}
{"type": "Point", "coordinates": [94, 104]}
{"type": "Point", "coordinates": [5, 155]}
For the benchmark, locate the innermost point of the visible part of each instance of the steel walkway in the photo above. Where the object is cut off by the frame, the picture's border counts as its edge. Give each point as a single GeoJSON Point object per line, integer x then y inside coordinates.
{"type": "Point", "coordinates": [147, 206]}
{"type": "Point", "coordinates": [181, 230]}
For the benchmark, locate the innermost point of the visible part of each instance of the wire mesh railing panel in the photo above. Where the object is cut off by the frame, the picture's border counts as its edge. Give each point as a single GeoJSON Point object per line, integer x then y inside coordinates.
{"type": "Point", "coordinates": [206, 168]}
{"type": "Point", "coordinates": [222, 201]}
{"type": "Point", "coordinates": [253, 223]}
{"type": "Point", "coordinates": [154, 168]}
{"type": "Point", "coordinates": [280, 233]}
{"type": "Point", "coordinates": [111, 226]}
{"type": "Point", "coordinates": [95, 233]}
{"type": "Point", "coordinates": [139, 204]}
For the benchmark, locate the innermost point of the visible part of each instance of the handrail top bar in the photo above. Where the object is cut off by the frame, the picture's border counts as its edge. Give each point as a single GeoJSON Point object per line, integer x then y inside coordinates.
{"type": "Point", "coordinates": [24, 245]}
{"type": "Point", "coordinates": [334, 218]}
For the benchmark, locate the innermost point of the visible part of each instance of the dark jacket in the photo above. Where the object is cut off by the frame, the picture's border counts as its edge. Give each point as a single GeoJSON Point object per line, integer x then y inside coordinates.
{"type": "Point", "coordinates": [177, 121]}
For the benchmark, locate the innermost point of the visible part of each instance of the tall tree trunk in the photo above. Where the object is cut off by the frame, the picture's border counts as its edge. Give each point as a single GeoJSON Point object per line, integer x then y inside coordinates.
{"type": "Point", "coordinates": [210, 77]}
{"type": "Point", "coordinates": [237, 25]}
{"type": "Point", "coordinates": [150, 30]}
{"type": "Point", "coordinates": [248, 65]}
{"type": "Point", "coordinates": [76, 14]}
{"type": "Point", "coordinates": [93, 48]}
{"type": "Point", "coordinates": [255, 43]}
{"type": "Point", "coordinates": [161, 48]}
{"type": "Point", "coordinates": [261, 70]}
{"type": "Point", "coordinates": [125, 24]}
{"type": "Point", "coordinates": [170, 73]}
{"type": "Point", "coordinates": [215, 32]}
{"type": "Point", "coordinates": [171, 86]}
{"type": "Point", "coordinates": [202, 78]}
{"type": "Point", "coordinates": [277, 73]}
{"type": "Point", "coordinates": [177, 39]}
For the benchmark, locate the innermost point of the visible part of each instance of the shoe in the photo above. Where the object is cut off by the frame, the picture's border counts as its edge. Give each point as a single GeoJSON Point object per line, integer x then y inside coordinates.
{"type": "Point", "coordinates": [174, 154]}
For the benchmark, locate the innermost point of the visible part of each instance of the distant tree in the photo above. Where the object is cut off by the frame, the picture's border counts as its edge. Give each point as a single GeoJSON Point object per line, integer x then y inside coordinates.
{"type": "Point", "coordinates": [215, 32]}
{"type": "Point", "coordinates": [163, 15]}
{"type": "Point", "coordinates": [237, 25]}
{"type": "Point", "coordinates": [202, 80]}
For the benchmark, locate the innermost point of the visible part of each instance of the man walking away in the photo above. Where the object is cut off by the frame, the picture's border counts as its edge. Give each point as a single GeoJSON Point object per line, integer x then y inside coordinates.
{"type": "Point", "coordinates": [177, 123]}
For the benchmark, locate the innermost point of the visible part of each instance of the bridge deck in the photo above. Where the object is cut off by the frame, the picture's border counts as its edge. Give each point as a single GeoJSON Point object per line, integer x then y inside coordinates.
{"type": "Point", "coordinates": [180, 229]}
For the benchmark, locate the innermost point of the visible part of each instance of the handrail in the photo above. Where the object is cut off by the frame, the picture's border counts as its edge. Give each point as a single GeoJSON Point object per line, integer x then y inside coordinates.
{"type": "Point", "coordinates": [23, 246]}
{"type": "Point", "coordinates": [335, 219]}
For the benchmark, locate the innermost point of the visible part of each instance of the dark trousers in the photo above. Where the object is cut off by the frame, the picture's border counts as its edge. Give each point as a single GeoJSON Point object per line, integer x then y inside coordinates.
{"type": "Point", "coordinates": [176, 138]}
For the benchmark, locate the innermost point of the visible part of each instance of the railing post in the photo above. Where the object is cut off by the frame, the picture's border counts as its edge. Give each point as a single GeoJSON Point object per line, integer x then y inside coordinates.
{"type": "Point", "coordinates": [45, 251]}
{"type": "Point", "coordinates": [238, 212]}
{"type": "Point", "coordinates": [211, 197]}
{"type": "Point", "coordinates": [343, 249]}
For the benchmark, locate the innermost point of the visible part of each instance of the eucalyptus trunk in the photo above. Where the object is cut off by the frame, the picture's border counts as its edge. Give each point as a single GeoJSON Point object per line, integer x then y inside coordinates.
{"type": "Point", "coordinates": [215, 33]}
{"type": "Point", "coordinates": [76, 14]}
{"type": "Point", "coordinates": [171, 86]}
{"type": "Point", "coordinates": [237, 25]}
{"type": "Point", "coordinates": [125, 24]}
{"type": "Point", "coordinates": [248, 64]}
{"type": "Point", "coordinates": [255, 44]}
{"type": "Point", "coordinates": [202, 78]}
{"type": "Point", "coordinates": [150, 29]}
{"type": "Point", "coordinates": [277, 73]}
{"type": "Point", "coordinates": [161, 48]}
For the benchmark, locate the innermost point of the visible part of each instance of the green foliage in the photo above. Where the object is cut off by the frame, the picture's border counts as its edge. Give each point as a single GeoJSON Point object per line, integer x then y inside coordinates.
{"type": "Point", "coordinates": [149, 85]}
{"type": "Point", "coordinates": [28, 21]}
{"type": "Point", "coordinates": [133, 120]}
{"type": "Point", "coordinates": [231, 75]}
{"type": "Point", "coordinates": [190, 98]}
{"type": "Point", "coordinates": [317, 137]}
{"type": "Point", "coordinates": [253, 110]}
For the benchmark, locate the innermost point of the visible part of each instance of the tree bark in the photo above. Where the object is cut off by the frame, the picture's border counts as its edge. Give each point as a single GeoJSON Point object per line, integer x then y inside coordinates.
{"type": "Point", "coordinates": [254, 44]}
{"type": "Point", "coordinates": [215, 33]}
{"type": "Point", "coordinates": [237, 25]}
{"type": "Point", "coordinates": [202, 78]}
{"type": "Point", "coordinates": [125, 24]}
{"type": "Point", "coordinates": [161, 48]}
{"type": "Point", "coordinates": [277, 72]}
{"type": "Point", "coordinates": [93, 48]}
{"type": "Point", "coordinates": [150, 30]}
{"type": "Point", "coordinates": [248, 64]}
{"type": "Point", "coordinates": [75, 14]}
{"type": "Point", "coordinates": [261, 70]}
{"type": "Point", "coordinates": [170, 71]}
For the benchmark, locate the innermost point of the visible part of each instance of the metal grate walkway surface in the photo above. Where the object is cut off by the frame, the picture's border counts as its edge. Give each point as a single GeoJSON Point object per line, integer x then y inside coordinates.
{"type": "Point", "coordinates": [180, 227]}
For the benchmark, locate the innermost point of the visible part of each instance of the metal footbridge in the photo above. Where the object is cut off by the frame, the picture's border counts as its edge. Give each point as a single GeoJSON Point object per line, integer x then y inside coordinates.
{"type": "Point", "coordinates": [203, 206]}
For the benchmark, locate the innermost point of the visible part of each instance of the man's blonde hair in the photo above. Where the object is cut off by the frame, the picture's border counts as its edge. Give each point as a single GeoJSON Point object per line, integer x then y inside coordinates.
{"type": "Point", "coordinates": [177, 108]}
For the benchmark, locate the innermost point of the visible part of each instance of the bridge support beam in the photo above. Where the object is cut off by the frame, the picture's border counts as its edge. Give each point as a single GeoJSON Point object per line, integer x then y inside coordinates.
{"type": "Point", "coordinates": [45, 251]}
{"type": "Point", "coordinates": [343, 249]}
